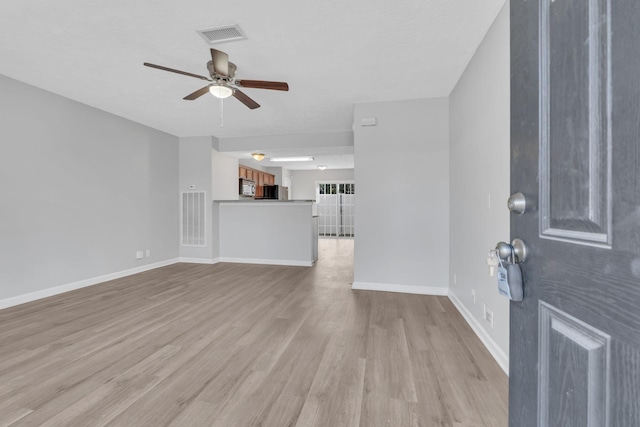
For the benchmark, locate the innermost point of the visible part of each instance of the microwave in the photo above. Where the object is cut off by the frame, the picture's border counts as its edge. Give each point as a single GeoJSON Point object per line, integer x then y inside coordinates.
{"type": "Point", "coordinates": [247, 188]}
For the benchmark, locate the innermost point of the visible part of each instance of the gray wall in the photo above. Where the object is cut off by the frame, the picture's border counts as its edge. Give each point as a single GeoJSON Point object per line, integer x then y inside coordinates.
{"type": "Point", "coordinates": [402, 196]}
{"type": "Point", "coordinates": [81, 191]}
{"type": "Point", "coordinates": [303, 182]}
{"type": "Point", "coordinates": [225, 187]}
{"type": "Point", "coordinates": [290, 141]}
{"type": "Point", "coordinates": [267, 232]}
{"type": "Point", "coordinates": [196, 169]}
{"type": "Point", "coordinates": [479, 114]}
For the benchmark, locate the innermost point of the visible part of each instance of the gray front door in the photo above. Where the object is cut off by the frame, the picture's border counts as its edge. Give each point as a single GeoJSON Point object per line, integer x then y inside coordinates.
{"type": "Point", "coordinates": [575, 151]}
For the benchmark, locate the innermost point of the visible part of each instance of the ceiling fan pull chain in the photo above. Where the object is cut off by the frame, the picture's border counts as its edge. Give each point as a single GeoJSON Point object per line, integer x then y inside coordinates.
{"type": "Point", "coordinates": [221, 112]}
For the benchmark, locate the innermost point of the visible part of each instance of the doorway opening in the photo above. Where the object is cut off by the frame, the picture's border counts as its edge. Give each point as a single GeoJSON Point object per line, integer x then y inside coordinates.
{"type": "Point", "coordinates": [336, 209]}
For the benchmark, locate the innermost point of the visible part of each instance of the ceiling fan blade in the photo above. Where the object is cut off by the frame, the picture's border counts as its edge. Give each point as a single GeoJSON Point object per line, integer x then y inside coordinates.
{"type": "Point", "coordinates": [197, 94]}
{"type": "Point", "coordinates": [220, 62]}
{"type": "Point", "coordinates": [261, 84]}
{"type": "Point", "coordinates": [160, 67]}
{"type": "Point", "coordinates": [242, 97]}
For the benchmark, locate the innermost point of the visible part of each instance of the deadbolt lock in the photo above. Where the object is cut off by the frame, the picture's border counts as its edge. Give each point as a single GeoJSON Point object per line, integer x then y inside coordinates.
{"type": "Point", "coordinates": [517, 203]}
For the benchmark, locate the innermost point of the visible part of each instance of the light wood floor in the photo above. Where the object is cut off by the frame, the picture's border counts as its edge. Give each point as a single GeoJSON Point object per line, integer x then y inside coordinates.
{"type": "Point", "coordinates": [245, 345]}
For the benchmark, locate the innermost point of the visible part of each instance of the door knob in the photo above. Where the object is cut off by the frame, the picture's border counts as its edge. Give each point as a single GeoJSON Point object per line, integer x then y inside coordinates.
{"type": "Point", "coordinates": [517, 248]}
{"type": "Point", "coordinates": [517, 203]}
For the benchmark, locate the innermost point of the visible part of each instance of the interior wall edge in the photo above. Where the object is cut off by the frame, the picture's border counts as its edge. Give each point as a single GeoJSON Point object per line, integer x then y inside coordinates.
{"type": "Point", "coordinates": [403, 289]}
{"type": "Point", "coordinates": [56, 290]}
{"type": "Point", "coordinates": [208, 261]}
{"type": "Point", "coordinates": [286, 262]}
{"type": "Point", "coordinates": [494, 349]}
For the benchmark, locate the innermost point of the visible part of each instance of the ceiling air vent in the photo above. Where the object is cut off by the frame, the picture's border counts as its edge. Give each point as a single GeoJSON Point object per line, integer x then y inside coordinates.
{"type": "Point", "coordinates": [222, 34]}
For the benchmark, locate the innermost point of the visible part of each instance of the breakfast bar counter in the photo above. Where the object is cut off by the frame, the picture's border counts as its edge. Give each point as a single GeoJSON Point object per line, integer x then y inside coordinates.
{"type": "Point", "coordinates": [279, 232]}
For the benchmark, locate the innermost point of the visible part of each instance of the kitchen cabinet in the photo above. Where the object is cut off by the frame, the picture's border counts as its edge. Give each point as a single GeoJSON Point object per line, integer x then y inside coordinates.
{"type": "Point", "coordinates": [259, 185]}
{"type": "Point", "coordinates": [261, 178]}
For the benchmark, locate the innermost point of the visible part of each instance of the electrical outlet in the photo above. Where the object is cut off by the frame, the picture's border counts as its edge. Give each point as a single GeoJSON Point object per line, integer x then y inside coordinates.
{"type": "Point", "coordinates": [139, 254]}
{"type": "Point", "coordinates": [147, 253]}
{"type": "Point", "coordinates": [487, 315]}
{"type": "Point", "coordinates": [473, 295]}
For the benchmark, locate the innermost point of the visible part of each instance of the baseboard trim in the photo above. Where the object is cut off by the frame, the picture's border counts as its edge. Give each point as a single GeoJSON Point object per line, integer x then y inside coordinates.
{"type": "Point", "coordinates": [489, 343]}
{"type": "Point", "coordinates": [199, 260]}
{"type": "Point", "coordinates": [403, 289]}
{"type": "Point", "coordinates": [45, 293]}
{"type": "Point", "coordinates": [293, 263]}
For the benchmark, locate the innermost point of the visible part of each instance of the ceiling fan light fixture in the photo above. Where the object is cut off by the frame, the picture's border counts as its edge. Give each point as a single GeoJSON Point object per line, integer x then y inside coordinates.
{"type": "Point", "coordinates": [258, 156]}
{"type": "Point", "coordinates": [220, 91]}
{"type": "Point", "coordinates": [222, 75]}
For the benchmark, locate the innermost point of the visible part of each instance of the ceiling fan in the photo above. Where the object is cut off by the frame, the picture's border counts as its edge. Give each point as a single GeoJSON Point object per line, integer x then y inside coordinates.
{"type": "Point", "coordinates": [223, 83]}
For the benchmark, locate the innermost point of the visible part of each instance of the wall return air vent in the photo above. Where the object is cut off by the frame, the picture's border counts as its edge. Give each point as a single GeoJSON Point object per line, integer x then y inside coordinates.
{"type": "Point", "coordinates": [193, 219]}
{"type": "Point", "coordinates": [228, 33]}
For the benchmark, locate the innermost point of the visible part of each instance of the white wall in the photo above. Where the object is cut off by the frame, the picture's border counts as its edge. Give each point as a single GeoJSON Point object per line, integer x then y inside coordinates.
{"type": "Point", "coordinates": [253, 164]}
{"type": "Point", "coordinates": [303, 182]}
{"type": "Point", "coordinates": [285, 177]}
{"type": "Point", "coordinates": [225, 176]}
{"type": "Point", "coordinates": [196, 170]}
{"type": "Point", "coordinates": [402, 196]}
{"type": "Point", "coordinates": [479, 114]}
{"type": "Point", "coordinates": [81, 191]}
{"type": "Point", "coordinates": [282, 177]}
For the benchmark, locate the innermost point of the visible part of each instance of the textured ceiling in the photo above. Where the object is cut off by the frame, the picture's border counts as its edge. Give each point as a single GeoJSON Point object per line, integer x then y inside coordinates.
{"type": "Point", "coordinates": [332, 53]}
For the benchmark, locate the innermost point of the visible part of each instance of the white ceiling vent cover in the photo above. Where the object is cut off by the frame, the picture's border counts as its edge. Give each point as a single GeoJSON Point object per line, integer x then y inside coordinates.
{"type": "Point", "coordinates": [192, 219]}
{"type": "Point", "coordinates": [222, 34]}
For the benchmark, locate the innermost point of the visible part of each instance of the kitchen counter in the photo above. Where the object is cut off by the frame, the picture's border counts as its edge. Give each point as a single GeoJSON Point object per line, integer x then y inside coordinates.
{"type": "Point", "coordinates": [279, 232]}
{"type": "Point", "coordinates": [252, 200]}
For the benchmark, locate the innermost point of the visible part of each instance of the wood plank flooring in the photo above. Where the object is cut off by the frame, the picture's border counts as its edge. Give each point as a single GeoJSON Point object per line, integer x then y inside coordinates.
{"type": "Point", "coordinates": [245, 345]}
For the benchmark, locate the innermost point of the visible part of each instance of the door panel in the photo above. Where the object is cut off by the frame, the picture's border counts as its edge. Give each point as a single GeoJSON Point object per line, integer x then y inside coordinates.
{"type": "Point", "coordinates": [573, 372]}
{"type": "Point", "coordinates": [575, 136]}
{"type": "Point", "coordinates": [575, 188]}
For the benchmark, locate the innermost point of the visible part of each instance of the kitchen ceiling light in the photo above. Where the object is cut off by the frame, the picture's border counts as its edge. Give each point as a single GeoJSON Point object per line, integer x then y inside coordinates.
{"type": "Point", "coordinates": [322, 167]}
{"type": "Point", "coordinates": [220, 91]}
{"type": "Point", "coordinates": [257, 156]}
{"type": "Point", "coordinates": [292, 159]}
